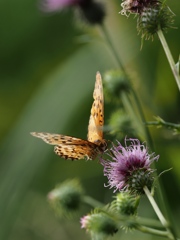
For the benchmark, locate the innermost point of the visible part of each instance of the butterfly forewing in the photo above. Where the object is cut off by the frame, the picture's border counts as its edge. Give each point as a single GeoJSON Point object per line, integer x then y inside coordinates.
{"type": "Point", "coordinates": [96, 121]}
{"type": "Point", "coordinates": [57, 139]}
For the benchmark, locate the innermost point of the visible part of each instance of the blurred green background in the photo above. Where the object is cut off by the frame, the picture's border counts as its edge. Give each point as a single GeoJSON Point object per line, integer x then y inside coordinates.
{"type": "Point", "coordinates": [48, 64]}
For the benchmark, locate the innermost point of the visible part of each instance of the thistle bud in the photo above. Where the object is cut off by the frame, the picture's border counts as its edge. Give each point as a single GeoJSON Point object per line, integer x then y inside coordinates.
{"type": "Point", "coordinates": [91, 11]}
{"type": "Point", "coordinates": [115, 83]}
{"type": "Point", "coordinates": [99, 225]}
{"type": "Point", "coordinates": [125, 203]}
{"type": "Point", "coordinates": [66, 198]}
{"type": "Point", "coordinates": [120, 123]}
{"type": "Point", "coordinates": [153, 15]}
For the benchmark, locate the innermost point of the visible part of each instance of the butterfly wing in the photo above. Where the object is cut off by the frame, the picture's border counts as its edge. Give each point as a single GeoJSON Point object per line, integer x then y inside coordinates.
{"type": "Point", "coordinates": [96, 121]}
{"type": "Point", "coordinates": [80, 151]}
{"type": "Point", "coordinates": [69, 147]}
{"type": "Point", "coordinates": [76, 148]}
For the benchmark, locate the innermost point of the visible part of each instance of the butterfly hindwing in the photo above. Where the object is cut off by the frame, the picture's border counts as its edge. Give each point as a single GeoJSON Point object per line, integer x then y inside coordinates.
{"type": "Point", "coordinates": [88, 151]}
{"type": "Point", "coordinates": [69, 147]}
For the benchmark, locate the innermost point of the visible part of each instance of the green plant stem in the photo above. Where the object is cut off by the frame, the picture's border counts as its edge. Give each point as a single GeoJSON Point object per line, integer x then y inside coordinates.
{"type": "Point", "coordinates": [159, 213]}
{"type": "Point", "coordinates": [152, 223]}
{"type": "Point", "coordinates": [152, 231]}
{"type": "Point", "coordinates": [155, 207]}
{"type": "Point", "coordinates": [161, 123]}
{"type": "Point", "coordinates": [111, 46]}
{"type": "Point", "coordinates": [145, 222]}
{"type": "Point", "coordinates": [92, 202]}
{"type": "Point", "coordinates": [169, 57]}
{"type": "Point", "coordinates": [150, 142]}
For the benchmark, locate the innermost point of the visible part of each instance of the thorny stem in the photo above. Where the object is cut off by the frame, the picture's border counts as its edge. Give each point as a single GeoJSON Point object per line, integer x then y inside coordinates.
{"type": "Point", "coordinates": [161, 123]}
{"type": "Point", "coordinates": [169, 57]}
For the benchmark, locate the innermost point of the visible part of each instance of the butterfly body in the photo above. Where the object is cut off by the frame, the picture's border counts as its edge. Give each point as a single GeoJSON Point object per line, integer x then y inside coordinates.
{"type": "Point", "coordinates": [75, 148]}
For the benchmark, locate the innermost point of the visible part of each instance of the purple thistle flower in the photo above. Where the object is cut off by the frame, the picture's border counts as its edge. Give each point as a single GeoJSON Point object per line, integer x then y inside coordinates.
{"type": "Point", "coordinates": [137, 6]}
{"type": "Point", "coordinates": [91, 11]}
{"type": "Point", "coordinates": [55, 5]}
{"type": "Point", "coordinates": [130, 168]}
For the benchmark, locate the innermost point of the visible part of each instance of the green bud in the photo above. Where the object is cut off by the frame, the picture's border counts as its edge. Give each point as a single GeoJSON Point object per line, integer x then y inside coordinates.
{"type": "Point", "coordinates": [153, 19]}
{"type": "Point", "coordinates": [125, 203]}
{"type": "Point", "coordinates": [99, 225]}
{"type": "Point", "coordinates": [65, 199]}
{"type": "Point", "coordinates": [115, 82]}
{"type": "Point", "coordinates": [120, 124]}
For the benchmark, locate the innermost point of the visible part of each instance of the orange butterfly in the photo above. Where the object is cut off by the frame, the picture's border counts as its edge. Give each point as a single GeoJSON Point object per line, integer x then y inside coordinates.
{"type": "Point", "coordinates": [76, 148]}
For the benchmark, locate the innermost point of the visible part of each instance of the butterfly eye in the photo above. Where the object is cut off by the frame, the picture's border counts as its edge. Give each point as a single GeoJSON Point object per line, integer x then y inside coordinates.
{"type": "Point", "coordinates": [102, 144]}
{"type": "Point", "coordinates": [98, 142]}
